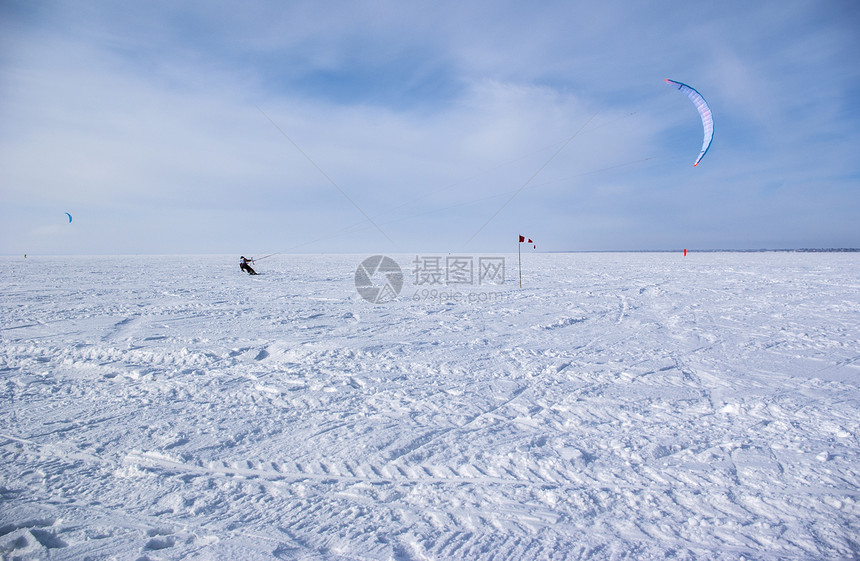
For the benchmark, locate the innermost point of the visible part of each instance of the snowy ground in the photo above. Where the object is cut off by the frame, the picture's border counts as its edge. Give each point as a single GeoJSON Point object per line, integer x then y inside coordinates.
{"type": "Point", "coordinates": [620, 406]}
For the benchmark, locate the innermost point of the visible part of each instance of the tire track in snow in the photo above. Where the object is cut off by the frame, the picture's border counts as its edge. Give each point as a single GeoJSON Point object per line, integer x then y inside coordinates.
{"type": "Point", "coordinates": [431, 436]}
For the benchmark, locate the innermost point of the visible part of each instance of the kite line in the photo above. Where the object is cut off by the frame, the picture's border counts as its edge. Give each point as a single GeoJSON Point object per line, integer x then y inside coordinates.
{"type": "Point", "coordinates": [530, 179]}
{"type": "Point", "coordinates": [324, 174]}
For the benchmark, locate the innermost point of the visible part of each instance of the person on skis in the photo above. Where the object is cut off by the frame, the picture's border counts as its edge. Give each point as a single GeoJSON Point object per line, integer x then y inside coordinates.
{"type": "Point", "coordinates": [244, 265]}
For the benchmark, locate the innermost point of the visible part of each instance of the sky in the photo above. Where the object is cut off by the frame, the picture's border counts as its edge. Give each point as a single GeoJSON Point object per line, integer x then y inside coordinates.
{"type": "Point", "coordinates": [397, 126]}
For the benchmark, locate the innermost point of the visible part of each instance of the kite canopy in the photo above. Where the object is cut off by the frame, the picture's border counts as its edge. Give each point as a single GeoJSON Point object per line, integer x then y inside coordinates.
{"type": "Point", "coordinates": [704, 113]}
{"type": "Point", "coordinates": [70, 217]}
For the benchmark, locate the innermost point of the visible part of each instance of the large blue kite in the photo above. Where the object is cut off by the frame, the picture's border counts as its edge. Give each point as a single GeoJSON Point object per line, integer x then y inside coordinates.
{"type": "Point", "coordinates": [704, 113]}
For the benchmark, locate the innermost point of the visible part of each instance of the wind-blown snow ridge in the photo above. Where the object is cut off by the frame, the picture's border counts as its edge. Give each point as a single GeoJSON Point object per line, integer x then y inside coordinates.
{"type": "Point", "coordinates": [620, 406]}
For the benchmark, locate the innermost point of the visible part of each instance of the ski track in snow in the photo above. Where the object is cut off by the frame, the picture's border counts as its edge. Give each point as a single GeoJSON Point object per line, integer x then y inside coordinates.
{"type": "Point", "coordinates": [620, 406]}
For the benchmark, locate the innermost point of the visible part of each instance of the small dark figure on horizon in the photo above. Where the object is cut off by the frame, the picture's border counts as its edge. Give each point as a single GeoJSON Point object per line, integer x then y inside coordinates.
{"type": "Point", "coordinates": [245, 266]}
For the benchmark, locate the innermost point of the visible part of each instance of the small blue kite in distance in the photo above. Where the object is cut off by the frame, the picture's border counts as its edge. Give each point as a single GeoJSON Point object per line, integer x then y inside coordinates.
{"type": "Point", "coordinates": [70, 217]}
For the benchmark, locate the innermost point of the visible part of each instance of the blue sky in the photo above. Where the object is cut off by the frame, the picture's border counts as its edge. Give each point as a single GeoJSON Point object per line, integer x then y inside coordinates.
{"type": "Point", "coordinates": [416, 122]}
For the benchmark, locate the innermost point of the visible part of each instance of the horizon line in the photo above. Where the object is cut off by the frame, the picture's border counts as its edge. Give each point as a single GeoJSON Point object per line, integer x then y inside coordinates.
{"type": "Point", "coordinates": [678, 250]}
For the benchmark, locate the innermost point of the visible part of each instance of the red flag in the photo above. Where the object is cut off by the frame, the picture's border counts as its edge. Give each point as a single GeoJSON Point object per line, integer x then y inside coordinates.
{"type": "Point", "coordinates": [530, 240]}
{"type": "Point", "coordinates": [522, 239]}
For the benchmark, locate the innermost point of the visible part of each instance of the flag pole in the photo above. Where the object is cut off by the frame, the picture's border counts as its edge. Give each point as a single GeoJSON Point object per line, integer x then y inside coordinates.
{"type": "Point", "coordinates": [519, 261]}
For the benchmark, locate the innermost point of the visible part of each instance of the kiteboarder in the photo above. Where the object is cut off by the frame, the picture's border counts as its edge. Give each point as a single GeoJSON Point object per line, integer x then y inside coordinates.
{"type": "Point", "coordinates": [244, 265]}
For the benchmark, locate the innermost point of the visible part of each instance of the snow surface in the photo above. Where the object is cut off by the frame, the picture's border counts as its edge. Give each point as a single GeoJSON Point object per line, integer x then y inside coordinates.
{"type": "Point", "coordinates": [619, 406]}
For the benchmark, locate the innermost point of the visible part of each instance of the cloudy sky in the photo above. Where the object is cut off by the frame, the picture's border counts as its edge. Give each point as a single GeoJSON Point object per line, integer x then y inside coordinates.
{"type": "Point", "coordinates": [400, 126]}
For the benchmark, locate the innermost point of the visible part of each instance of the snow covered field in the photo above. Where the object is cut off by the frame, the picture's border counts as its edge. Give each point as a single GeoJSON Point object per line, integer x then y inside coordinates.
{"type": "Point", "coordinates": [619, 406]}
